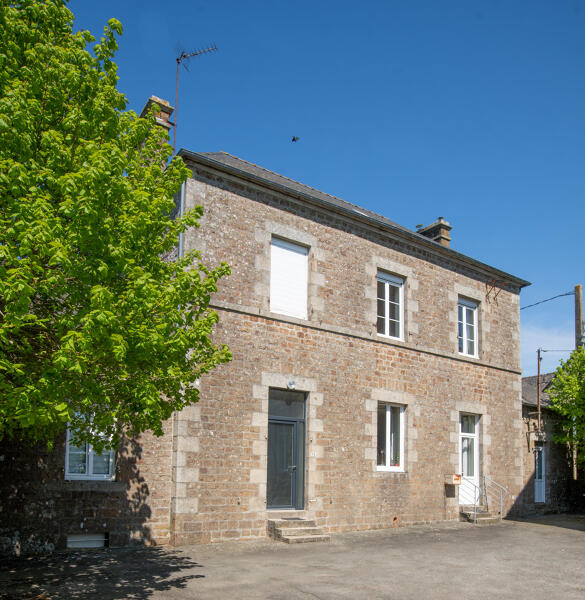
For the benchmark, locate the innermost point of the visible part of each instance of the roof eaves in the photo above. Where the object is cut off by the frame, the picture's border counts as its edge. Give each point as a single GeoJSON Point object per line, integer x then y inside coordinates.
{"type": "Point", "coordinates": [355, 213]}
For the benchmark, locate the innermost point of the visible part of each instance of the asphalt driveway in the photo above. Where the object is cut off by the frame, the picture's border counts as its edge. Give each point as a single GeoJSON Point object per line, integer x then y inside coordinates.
{"type": "Point", "coordinates": [538, 559]}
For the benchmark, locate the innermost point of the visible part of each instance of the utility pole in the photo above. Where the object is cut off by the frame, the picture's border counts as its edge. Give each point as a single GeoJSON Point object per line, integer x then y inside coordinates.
{"type": "Point", "coordinates": [579, 343]}
{"type": "Point", "coordinates": [538, 389]}
{"type": "Point", "coordinates": [579, 335]}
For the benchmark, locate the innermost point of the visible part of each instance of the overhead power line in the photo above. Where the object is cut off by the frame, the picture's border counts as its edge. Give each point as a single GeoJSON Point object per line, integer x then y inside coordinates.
{"type": "Point", "coordinates": [543, 350]}
{"type": "Point", "coordinates": [548, 300]}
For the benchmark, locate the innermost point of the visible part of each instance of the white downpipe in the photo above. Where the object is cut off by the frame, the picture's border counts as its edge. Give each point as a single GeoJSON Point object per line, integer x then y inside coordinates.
{"type": "Point", "coordinates": [181, 212]}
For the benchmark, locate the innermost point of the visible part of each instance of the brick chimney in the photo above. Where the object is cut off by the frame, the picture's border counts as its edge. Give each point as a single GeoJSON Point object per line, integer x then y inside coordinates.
{"type": "Point", "coordinates": [163, 116]}
{"type": "Point", "coordinates": [437, 231]}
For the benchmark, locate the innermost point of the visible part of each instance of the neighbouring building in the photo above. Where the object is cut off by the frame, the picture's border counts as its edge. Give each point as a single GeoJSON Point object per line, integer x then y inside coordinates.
{"type": "Point", "coordinates": [370, 363]}
{"type": "Point", "coordinates": [546, 464]}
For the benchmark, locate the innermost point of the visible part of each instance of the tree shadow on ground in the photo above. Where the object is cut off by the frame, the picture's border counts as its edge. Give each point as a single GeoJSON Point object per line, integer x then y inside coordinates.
{"type": "Point", "coordinates": [564, 520]}
{"type": "Point", "coordinates": [112, 574]}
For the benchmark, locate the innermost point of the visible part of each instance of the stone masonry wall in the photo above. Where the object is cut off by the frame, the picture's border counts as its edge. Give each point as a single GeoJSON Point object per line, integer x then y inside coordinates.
{"type": "Point", "coordinates": [345, 368]}
{"type": "Point", "coordinates": [557, 465]}
{"type": "Point", "coordinates": [39, 508]}
{"type": "Point", "coordinates": [205, 479]}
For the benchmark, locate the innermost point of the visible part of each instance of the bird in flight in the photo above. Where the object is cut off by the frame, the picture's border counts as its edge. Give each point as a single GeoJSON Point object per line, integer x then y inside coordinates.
{"type": "Point", "coordinates": [295, 138]}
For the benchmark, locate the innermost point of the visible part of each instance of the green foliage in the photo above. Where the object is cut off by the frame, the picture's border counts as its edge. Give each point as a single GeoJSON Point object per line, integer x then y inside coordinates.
{"type": "Point", "coordinates": [94, 325]}
{"type": "Point", "coordinates": [567, 393]}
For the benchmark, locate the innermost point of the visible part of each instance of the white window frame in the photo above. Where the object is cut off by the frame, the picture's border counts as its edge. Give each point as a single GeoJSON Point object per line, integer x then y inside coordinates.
{"type": "Point", "coordinates": [275, 305]}
{"type": "Point", "coordinates": [88, 475]}
{"type": "Point", "coordinates": [387, 466]}
{"type": "Point", "coordinates": [464, 304]}
{"type": "Point", "coordinates": [398, 282]}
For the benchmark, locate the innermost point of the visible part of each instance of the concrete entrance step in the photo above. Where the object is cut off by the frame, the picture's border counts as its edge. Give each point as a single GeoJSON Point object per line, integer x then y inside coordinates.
{"type": "Point", "coordinates": [482, 516]}
{"type": "Point", "coordinates": [303, 539]}
{"type": "Point", "coordinates": [295, 531]}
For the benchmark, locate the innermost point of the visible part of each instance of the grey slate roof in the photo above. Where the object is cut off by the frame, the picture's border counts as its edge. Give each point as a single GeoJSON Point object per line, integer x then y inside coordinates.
{"type": "Point", "coordinates": [281, 180]}
{"type": "Point", "coordinates": [529, 387]}
{"type": "Point", "coordinates": [243, 168]}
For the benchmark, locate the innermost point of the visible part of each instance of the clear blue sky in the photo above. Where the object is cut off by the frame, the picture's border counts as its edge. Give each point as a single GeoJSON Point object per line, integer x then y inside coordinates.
{"type": "Point", "coordinates": [473, 110]}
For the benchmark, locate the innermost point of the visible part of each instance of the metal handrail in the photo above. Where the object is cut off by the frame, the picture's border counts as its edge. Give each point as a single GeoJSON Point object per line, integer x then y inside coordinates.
{"type": "Point", "coordinates": [503, 492]}
{"type": "Point", "coordinates": [482, 497]}
{"type": "Point", "coordinates": [477, 497]}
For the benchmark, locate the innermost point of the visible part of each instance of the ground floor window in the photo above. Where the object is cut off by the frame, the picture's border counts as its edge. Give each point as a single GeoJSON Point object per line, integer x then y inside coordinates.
{"type": "Point", "coordinates": [390, 454]}
{"type": "Point", "coordinates": [82, 462]}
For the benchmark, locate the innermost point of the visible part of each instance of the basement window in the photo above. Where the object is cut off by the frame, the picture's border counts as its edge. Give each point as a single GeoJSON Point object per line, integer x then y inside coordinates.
{"type": "Point", "coordinates": [87, 540]}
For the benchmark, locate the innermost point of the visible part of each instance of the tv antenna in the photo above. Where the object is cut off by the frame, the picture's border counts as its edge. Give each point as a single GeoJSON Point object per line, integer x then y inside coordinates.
{"type": "Point", "coordinates": [185, 56]}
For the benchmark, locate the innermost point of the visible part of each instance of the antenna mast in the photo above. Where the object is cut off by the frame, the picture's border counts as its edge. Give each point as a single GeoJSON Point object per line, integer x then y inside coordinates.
{"type": "Point", "coordinates": [182, 57]}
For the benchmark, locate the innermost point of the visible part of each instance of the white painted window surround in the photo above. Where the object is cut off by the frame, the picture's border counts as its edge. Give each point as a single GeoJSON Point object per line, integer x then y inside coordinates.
{"type": "Point", "coordinates": [390, 306]}
{"type": "Point", "coordinates": [83, 463]}
{"type": "Point", "coordinates": [390, 451]}
{"type": "Point", "coordinates": [467, 332]}
{"type": "Point", "coordinates": [289, 270]}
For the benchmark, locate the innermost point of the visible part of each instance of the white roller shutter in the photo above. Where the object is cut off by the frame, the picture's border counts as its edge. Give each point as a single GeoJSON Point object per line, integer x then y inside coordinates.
{"type": "Point", "coordinates": [288, 278]}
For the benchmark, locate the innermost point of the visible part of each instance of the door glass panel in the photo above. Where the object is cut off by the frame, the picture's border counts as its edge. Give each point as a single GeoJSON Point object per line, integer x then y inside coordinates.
{"type": "Point", "coordinates": [538, 462]}
{"type": "Point", "coordinates": [467, 424]}
{"type": "Point", "coordinates": [285, 403]}
{"type": "Point", "coordinates": [281, 467]}
{"type": "Point", "coordinates": [300, 471]}
{"type": "Point", "coordinates": [468, 456]}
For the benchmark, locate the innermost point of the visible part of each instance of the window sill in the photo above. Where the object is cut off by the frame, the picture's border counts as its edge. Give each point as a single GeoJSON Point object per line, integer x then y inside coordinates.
{"type": "Point", "coordinates": [88, 485]}
{"type": "Point", "coordinates": [296, 318]}
{"type": "Point", "coordinates": [390, 470]}
{"type": "Point", "coordinates": [389, 337]}
{"type": "Point", "coordinates": [89, 477]}
{"type": "Point", "coordinates": [463, 354]}
{"type": "Point", "coordinates": [390, 474]}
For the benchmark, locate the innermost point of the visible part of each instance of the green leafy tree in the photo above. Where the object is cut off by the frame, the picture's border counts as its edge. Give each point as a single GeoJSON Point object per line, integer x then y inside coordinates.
{"type": "Point", "coordinates": [95, 326]}
{"type": "Point", "coordinates": [567, 394]}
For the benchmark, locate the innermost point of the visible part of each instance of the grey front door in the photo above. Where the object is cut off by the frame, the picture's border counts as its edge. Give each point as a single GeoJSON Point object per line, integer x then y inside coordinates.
{"type": "Point", "coordinates": [286, 450]}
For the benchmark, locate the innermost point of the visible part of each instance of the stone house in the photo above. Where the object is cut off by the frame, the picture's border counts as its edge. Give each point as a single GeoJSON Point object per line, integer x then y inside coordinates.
{"type": "Point", "coordinates": [546, 464]}
{"type": "Point", "coordinates": [370, 364]}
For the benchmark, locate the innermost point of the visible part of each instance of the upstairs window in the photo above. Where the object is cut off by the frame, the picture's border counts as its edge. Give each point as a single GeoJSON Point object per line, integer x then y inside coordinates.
{"type": "Point", "coordinates": [288, 278]}
{"type": "Point", "coordinates": [390, 304]}
{"type": "Point", "coordinates": [467, 327]}
{"type": "Point", "coordinates": [390, 454]}
{"type": "Point", "coordinates": [82, 462]}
